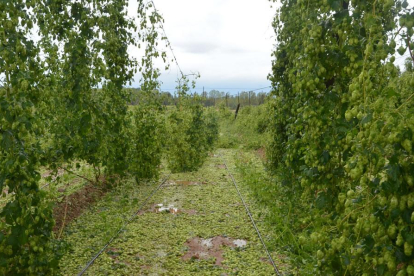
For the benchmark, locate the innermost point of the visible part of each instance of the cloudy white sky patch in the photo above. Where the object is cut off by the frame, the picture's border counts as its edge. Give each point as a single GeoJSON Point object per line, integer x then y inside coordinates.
{"type": "Point", "coordinates": [228, 42]}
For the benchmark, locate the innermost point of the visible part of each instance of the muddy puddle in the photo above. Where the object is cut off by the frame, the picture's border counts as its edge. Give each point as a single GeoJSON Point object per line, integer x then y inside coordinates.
{"type": "Point", "coordinates": [205, 249]}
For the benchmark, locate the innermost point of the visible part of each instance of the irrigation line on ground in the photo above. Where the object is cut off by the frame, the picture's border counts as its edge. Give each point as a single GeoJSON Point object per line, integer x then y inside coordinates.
{"type": "Point", "coordinates": [251, 218]}
{"type": "Point", "coordinates": [123, 227]}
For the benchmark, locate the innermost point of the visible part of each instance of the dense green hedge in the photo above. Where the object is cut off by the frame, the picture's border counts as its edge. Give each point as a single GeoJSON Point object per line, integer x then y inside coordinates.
{"type": "Point", "coordinates": [342, 131]}
{"type": "Point", "coordinates": [52, 114]}
{"type": "Point", "coordinates": [147, 133]}
{"type": "Point", "coordinates": [192, 132]}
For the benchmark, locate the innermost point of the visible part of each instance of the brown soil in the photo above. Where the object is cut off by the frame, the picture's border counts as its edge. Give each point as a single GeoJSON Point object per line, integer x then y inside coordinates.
{"type": "Point", "coordinates": [205, 249]}
{"type": "Point", "coordinates": [75, 204]}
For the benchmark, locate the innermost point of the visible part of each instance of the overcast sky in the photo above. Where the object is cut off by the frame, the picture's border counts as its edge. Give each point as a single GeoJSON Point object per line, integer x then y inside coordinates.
{"type": "Point", "coordinates": [229, 42]}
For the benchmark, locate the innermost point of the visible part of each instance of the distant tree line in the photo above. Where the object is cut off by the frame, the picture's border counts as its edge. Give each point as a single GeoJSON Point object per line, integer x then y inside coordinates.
{"type": "Point", "coordinates": [211, 98]}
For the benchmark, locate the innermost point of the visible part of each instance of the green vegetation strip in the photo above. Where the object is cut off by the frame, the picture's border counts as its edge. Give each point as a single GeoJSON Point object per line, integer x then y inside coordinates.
{"type": "Point", "coordinates": [122, 228]}
{"type": "Point", "coordinates": [252, 220]}
{"type": "Point", "coordinates": [201, 205]}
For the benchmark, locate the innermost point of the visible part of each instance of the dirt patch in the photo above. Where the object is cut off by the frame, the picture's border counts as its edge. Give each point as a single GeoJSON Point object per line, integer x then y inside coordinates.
{"type": "Point", "coordinates": [261, 153]}
{"type": "Point", "coordinates": [161, 208]}
{"type": "Point", "coordinates": [205, 249]}
{"type": "Point", "coordinates": [221, 166]}
{"type": "Point", "coordinates": [75, 204]}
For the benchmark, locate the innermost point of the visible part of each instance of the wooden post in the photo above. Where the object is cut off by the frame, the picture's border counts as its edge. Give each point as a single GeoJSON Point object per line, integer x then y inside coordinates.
{"type": "Point", "coordinates": [237, 111]}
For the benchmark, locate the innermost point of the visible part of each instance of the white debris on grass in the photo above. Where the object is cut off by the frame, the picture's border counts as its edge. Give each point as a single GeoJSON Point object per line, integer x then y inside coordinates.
{"type": "Point", "coordinates": [170, 208]}
{"type": "Point", "coordinates": [240, 243]}
{"type": "Point", "coordinates": [207, 243]}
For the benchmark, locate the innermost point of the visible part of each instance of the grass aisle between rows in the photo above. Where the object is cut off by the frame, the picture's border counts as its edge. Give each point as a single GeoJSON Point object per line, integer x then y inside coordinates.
{"type": "Point", "coordinates": [195, 224]}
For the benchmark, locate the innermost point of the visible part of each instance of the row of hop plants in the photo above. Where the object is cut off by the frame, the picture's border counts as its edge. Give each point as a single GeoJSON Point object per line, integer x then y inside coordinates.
{"type": "Point", "coordinates": [62, 102]}
{"type": "Point", "coordinates": [192, 131]}
{"type": "Point", "coordinates": [342, 124]}
{"type": "Point", "coordinates": [182, 136]}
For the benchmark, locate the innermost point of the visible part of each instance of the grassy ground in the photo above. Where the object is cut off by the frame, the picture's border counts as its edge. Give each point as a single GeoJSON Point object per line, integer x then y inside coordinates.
{"type": "Point", "coordinates": [155, 242]}
{"type": "Point", "coordinates": [247, 131]}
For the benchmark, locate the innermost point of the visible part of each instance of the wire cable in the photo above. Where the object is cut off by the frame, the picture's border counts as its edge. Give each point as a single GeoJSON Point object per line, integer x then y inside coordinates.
{"type": "Point", "coordinates": [252, 220]}
{"type": "Point", "coordinates": [168, 41]}
{"type": "Point", "coordinates": [260, 88]}
{"type": "Point", "coordinates": [123, 227]}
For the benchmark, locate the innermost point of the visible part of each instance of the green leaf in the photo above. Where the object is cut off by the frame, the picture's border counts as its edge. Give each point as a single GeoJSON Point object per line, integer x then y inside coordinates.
{"type": "Point", "coordinates": [322, 200]}
{"type": "Point", "coordinates": [381, 269]}
{"type": "Point", "coordinates": [367, 119]}
{"type": "Point", "coordinates": [370, 21]}
{"type": "Point", "coordinates": [346, 259]}
{"type": "Point", "coordinates": [404, 4]}
{"type": "Point", "coordinates": [335, 4]}
{"type": "Point", "coordinates": [401, 50]}
{"type": "Point", "coordinates": [368, 244]}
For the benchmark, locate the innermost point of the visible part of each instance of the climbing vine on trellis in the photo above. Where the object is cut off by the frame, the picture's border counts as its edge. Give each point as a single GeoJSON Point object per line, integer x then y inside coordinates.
{"type": "Point", "coordinates": [343, 126]}
{"type": "Point", "coordinates": [63, 66]}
